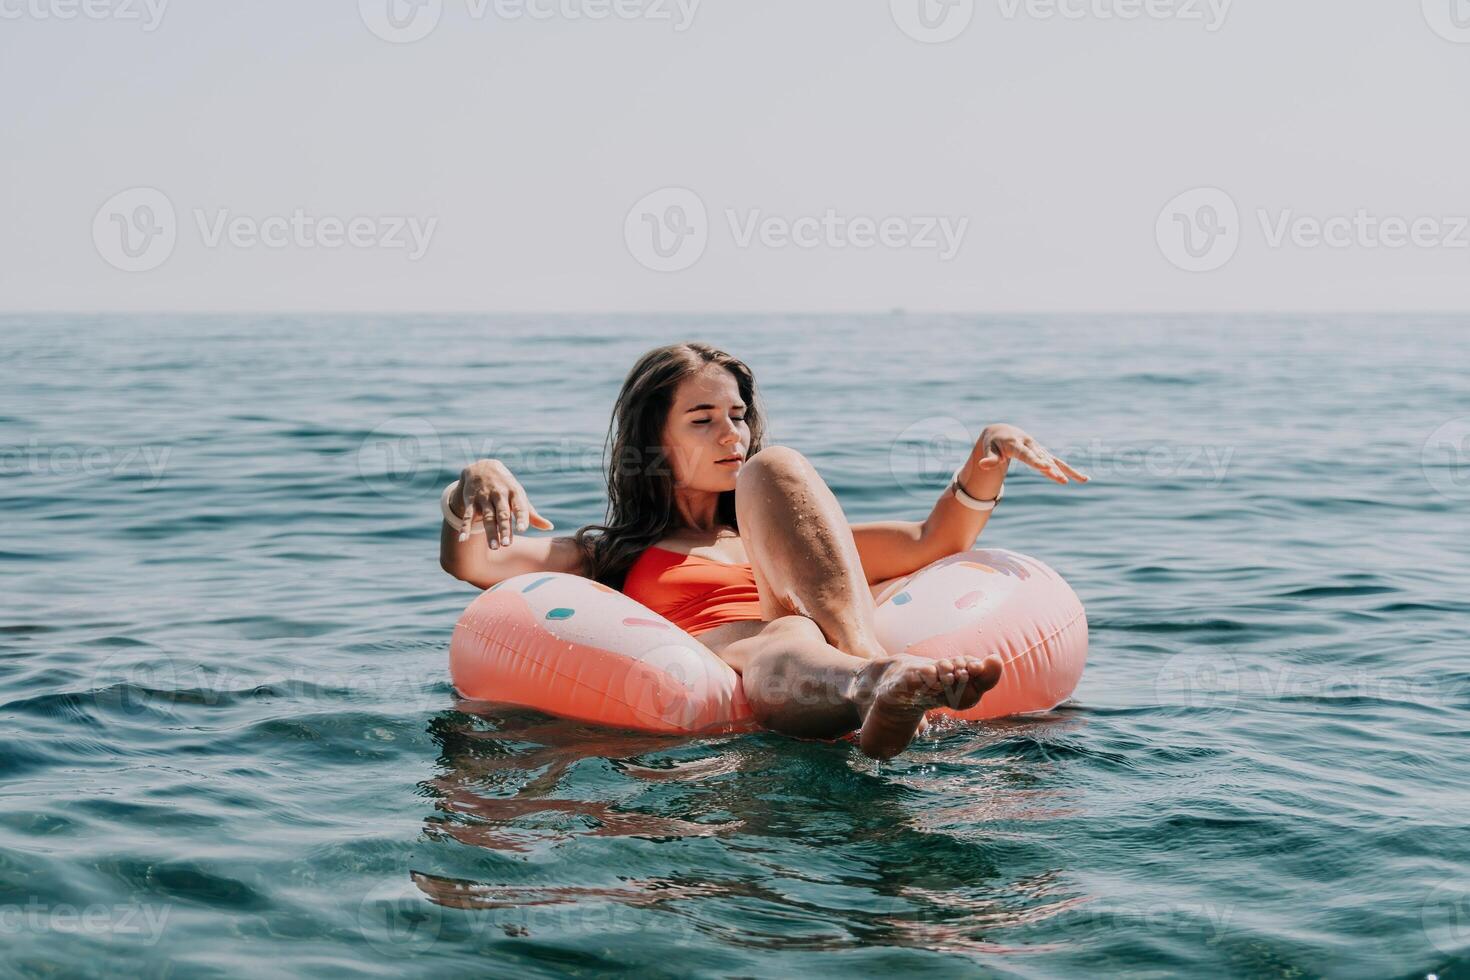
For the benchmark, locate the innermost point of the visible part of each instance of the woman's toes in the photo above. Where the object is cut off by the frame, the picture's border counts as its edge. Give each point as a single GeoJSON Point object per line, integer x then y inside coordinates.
{"type": "Point", "coordinates": [989, 671]}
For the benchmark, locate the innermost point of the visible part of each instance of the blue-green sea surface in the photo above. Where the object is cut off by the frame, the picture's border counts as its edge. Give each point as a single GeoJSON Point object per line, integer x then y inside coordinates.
{"type": "Point", "coordinates": [229, 746]}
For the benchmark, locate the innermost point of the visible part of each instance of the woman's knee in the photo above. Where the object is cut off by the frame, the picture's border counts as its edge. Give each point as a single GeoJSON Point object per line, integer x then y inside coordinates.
{"type": "Point", "coordinates": [781, 668]}
{"type": "Point", "coordinates": [785, 634]}
{"type": "Point", "coordinates": [782, 634]}
{"type": "Point", "coordinates": [774, 463]}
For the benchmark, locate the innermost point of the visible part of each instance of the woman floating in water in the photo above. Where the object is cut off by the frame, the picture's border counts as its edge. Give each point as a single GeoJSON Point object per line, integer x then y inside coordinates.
{"type": "Point", "coordinates": [746, 548]}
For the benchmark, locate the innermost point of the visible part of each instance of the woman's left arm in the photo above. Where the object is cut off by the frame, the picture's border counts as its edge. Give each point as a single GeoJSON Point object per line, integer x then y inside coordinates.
{"type": "Point", "coordinates": [889, 549]}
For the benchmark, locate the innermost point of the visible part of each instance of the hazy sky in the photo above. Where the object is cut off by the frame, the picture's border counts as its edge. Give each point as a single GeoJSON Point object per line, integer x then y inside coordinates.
{"type": "Point", "coordinates": [735, 155]}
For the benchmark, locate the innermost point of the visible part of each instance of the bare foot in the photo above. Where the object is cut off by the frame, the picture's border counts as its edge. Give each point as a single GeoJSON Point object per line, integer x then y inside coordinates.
{"type": "Point", "coordinates": [894, 693]}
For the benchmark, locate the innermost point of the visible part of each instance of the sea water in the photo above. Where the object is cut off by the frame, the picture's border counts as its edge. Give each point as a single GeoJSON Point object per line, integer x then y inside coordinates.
{"type": "Point", "coordinates": [230, 746]}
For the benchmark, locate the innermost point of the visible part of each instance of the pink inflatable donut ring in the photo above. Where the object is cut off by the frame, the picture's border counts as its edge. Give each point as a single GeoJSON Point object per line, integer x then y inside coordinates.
{"type": "Point", "coordinates": [572, 647]}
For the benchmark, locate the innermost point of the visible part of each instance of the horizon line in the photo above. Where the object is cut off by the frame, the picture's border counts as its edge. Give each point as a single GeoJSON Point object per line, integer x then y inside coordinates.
{"type": "Point", "coordinates": [897, 311]}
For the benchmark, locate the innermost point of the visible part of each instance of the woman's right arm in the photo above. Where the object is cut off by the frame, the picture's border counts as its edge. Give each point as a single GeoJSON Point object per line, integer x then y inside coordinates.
{"type": "Point", "coordinates": [493, 500]}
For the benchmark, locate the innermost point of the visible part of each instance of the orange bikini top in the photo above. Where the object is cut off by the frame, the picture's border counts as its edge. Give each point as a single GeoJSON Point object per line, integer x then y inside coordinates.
{"type": "Point", "coordinates": [692, 592]}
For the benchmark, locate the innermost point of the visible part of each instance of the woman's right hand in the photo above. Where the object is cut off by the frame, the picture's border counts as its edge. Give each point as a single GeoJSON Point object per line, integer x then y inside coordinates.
{"type": "Point", "coordinates": [487, 490]}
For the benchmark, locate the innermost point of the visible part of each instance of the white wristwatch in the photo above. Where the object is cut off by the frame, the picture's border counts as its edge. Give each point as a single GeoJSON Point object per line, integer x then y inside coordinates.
{"type": "Point", "coordinates": [972, 502]}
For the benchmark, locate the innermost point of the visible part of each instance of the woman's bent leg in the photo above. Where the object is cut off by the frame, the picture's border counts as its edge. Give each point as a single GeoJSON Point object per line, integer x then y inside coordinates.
{"type": "Point", "coordinates": [802, 551]}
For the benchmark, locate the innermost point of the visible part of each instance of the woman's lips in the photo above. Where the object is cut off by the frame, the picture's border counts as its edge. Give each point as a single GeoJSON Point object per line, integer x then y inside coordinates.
{"type": "Point", "coordinates": [728, 462]}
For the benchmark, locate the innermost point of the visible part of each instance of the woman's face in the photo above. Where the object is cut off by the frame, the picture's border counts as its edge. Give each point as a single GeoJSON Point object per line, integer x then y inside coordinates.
{"type": "Point", "coordinates": [706, 425]}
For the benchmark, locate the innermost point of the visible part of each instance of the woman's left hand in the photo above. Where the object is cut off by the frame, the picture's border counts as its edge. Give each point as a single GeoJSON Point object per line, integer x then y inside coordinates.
{"type": "Point", "coordinates": [1001, 442]}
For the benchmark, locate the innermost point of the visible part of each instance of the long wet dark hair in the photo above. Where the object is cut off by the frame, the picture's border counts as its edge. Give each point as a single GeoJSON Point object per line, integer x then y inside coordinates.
{"type": "Point", "coordinates": [640, 478]}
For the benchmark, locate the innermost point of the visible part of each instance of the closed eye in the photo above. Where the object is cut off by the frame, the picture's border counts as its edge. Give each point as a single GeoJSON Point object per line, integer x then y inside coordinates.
{"type": "Point", "coordinates": [708, 421]}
